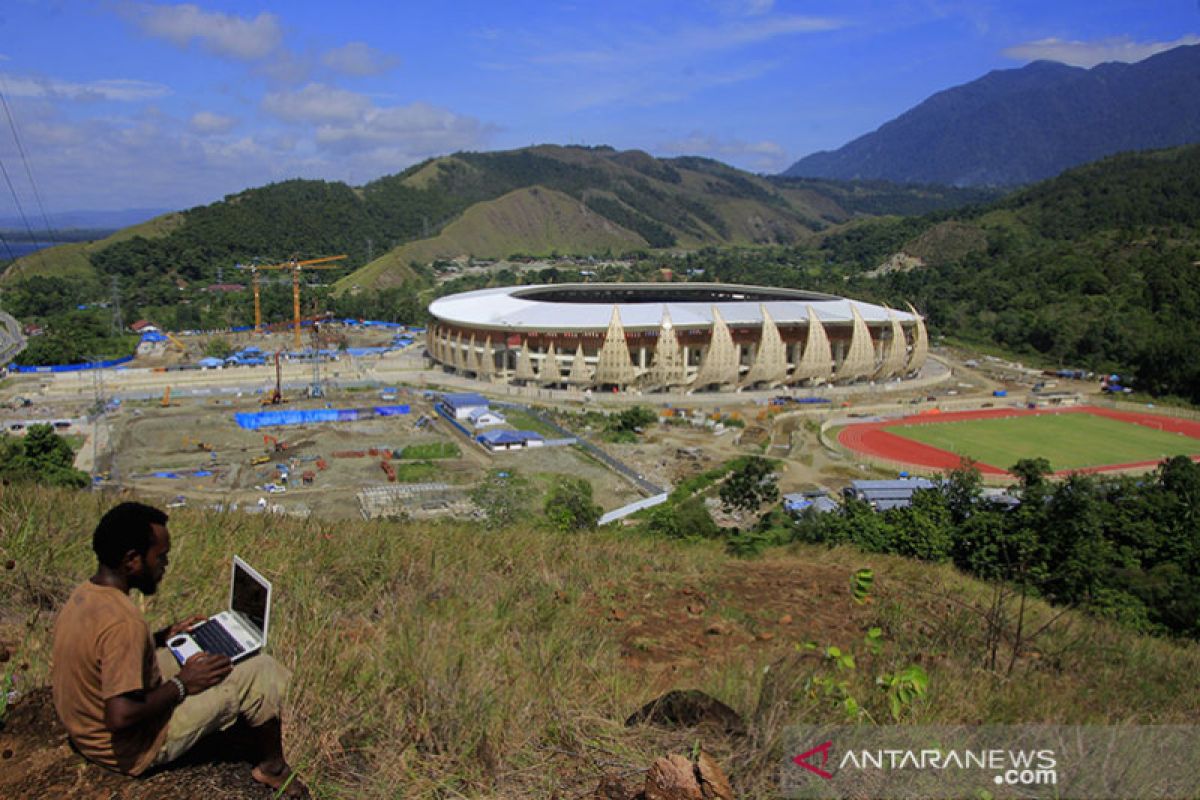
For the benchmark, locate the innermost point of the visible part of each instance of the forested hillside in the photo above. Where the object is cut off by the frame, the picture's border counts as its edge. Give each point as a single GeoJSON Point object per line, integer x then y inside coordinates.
{"type": "Point", "coordinates": [1096, 268]}
{"type": "Point", "coordinates": [653, 202]}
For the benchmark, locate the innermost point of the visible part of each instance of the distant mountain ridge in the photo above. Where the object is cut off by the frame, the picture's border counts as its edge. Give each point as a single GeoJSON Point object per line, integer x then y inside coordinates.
{"type": "Point", "coordinates": [88, 219]}
{"type": "Point", "coordinates": [1017, 126]}
{"type": "Point", "coordinates": [537, 200]}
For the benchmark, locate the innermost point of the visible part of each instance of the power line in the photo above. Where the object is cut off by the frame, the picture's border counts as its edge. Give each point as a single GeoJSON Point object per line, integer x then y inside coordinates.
{"type": "Point", "coordinates": [21, 210]}
{"type": "Point", "coordinates": [12, 124]}
{"type": "Point", "coordinates": [11, 256]}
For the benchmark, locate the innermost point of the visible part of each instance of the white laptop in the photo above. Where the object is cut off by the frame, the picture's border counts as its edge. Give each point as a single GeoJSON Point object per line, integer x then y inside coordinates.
{"type": "Point", "coordinates": [238, 632]}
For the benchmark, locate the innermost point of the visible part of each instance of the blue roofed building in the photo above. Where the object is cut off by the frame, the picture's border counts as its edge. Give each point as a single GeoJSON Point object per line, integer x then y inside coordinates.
{"type": "Point", "coordinates": [510, 440]}
{"type": "Point", "coordinates": [461, 405]}
{"type": "Point", "coordinates": [485, 418]}
{"type": "Point", "coordinates": [799, 502]}
{"type": "Point", "coordinates": [882, 495]}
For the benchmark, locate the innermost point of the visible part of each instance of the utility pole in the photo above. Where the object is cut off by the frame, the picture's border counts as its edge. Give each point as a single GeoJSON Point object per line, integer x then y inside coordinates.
{"type": "Point", "coordinates": [97, 412]}
{"type": "Point", "coordinates": [118, 324]}
{"type": "Point", "coordinates": [316, 389]}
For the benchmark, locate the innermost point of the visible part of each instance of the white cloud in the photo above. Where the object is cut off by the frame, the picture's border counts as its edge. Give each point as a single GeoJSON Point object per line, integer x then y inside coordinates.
{"type": "Point", "coordinates": [359, 59]}
{"type": "Point", "coordinates": [241, 38]}
{"type": "Point", "coordinates": [205, 122]}
{"type": "Point", "coordinates": [419, 129]}
{"type": "Point", "coordinates": [317, 102]}
{"type": "Point", "coordinates": [762, 156]}
{"type": "Point", "coordinates": [749, 8]}
{"type": "Point", "coordinates": [119, 89]}
{"type": "Point", "coordinates": [1089, 54]}
{"type": "Point", "coordinates": [649, 66]}
{"type": "Point", "coordinates": [671, 46]}
{"type": "Point", "coordinates": [366, 140]}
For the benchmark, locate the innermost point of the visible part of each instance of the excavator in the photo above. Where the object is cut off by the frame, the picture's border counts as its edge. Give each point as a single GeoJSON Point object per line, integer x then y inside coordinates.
{"type": "Point", "coordinates": [276, 397]}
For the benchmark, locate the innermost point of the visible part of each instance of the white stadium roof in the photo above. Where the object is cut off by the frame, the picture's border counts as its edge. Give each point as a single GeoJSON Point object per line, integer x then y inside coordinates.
{"type": "Point", "coordinates": [519, 308]}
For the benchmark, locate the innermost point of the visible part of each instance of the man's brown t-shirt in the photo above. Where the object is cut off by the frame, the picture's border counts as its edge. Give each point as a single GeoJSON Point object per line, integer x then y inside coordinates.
{"type": "Point", "coordinates": [103, 648]}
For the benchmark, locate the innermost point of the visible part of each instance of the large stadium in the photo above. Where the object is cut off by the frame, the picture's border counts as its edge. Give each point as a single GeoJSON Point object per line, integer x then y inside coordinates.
{"type": "Point", "coordinates": [672, 337]}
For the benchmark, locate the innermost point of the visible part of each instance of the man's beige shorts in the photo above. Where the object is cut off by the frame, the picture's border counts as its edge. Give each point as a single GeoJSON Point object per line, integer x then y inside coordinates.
{"type": "Point", "coordinates": [253, 692]}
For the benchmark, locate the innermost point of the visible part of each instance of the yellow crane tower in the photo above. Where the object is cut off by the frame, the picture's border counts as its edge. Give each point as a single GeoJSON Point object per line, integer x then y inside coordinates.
{"type": "Point", "coordinates": [296, 267]}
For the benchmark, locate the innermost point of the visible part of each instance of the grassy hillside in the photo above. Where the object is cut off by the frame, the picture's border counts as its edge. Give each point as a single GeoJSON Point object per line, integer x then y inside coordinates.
{"type": "Point", "coordinates": [73, 260]}
{"type": "Point", "coordinates": [438, 660]}
{"type": "Point", "coordinates": [533, 220]}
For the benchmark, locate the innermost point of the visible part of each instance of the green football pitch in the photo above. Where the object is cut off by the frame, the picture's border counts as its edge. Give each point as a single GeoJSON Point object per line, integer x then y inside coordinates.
{"type": "Point", "coordinates": [1067, 441]}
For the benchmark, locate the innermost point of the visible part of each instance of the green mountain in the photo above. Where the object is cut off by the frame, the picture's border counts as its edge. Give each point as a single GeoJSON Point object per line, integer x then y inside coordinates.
{"type": "Point", "coordinates": [537, 200]}
{"type": "Point", "coordinates": [1097, 268]}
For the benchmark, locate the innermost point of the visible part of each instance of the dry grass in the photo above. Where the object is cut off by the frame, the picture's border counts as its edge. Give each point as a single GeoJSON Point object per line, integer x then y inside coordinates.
{"type": "Point", "coordinates": [442, 661]}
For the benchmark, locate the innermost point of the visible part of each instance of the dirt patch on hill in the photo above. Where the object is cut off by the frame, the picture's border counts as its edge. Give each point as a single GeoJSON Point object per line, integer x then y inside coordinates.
{"type": "Point", "coordinates": [39, 764]}
{"type": "Point", "coordinates": [671, 628]}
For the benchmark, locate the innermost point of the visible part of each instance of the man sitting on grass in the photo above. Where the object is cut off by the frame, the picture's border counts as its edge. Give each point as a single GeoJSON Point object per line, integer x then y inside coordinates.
{"type": "Point", "coordinates": [108, 670]}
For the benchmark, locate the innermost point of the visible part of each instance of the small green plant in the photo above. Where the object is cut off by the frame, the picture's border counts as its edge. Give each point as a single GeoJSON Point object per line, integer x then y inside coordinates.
{"type": "Point", "coordinates": [860, 585]}
{"type": "Point", "coordinates": [903, 688]}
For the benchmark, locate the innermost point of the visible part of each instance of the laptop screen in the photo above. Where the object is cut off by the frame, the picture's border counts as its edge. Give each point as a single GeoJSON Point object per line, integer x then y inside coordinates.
{"type": "Point", "coordinates": [249, 597]}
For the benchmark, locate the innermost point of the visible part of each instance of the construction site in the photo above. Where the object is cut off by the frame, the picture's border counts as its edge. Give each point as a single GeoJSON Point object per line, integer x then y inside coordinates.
{"type": "Point", "coordinates": [344, 418]}
{"type": "Point", "coordinates": [348, 427]}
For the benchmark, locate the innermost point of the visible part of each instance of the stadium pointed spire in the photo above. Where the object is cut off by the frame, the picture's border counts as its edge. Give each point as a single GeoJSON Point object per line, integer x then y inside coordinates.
{"type": "Point", "coordinates": [668, 369]}
{"type": "Point", "coordinates": [720, 364]}
{"type": "Point", "coordinates": [524, 365]}
{"type": "Point", "coordinates": [551, 371]}
{"type": "Point", "coordinates": [487, 363]}
{"type": "Point", "coordinates": [770, 363]}
{"type": "Point", "coordinates": [613, 365]}
{"type": "Point", "coordinates": [859, 361]}
{"type": "Point", "coordinates": [473, 360]}
{"type": "Point", "coordinates": [460, 359]}
{"type": "Point", "coordinates": [580, 374]}
{"type": "Point", "coordinates": [895, 352]}
{"type": "Point", "coordinates": [920, 347]}
{"type": "Point", "coordinates": [816, 363]}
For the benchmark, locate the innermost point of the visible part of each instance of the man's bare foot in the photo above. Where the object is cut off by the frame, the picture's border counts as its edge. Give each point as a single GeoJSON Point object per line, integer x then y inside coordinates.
{"type": "Point", "coordinates": [280, 778]}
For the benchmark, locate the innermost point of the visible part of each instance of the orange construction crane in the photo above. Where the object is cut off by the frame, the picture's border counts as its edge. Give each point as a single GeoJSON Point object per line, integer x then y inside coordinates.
{"type": "Point", "coordinates": [296, 267]}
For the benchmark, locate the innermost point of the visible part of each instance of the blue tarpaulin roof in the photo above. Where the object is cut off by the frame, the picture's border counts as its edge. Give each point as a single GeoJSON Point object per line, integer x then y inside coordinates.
{"type": "Point", "coordinates": [464, 400]}
{"type": "Point", "coordinates": [153, 336]}
{"type": "Point", "coordinates": [509, 437]}
{"type": "Point", "coordinates": [390, 411]}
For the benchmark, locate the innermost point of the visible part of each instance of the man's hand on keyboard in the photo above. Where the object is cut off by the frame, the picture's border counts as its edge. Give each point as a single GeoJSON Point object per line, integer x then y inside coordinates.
{"type": "Point", "coordinates": [203, 671]}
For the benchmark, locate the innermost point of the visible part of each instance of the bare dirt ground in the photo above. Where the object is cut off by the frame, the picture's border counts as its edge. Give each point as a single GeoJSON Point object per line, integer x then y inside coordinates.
{"type": "Point", "coordinates": [40, 764]}
{"type": "Point", "coordinates": [750, 610]}
{"type": "Point", "coordinates": [202, 435]}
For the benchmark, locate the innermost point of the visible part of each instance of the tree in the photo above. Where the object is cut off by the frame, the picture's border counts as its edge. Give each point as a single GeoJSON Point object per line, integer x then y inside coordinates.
{"type": "Point", "coordinates": [42, 457]}
{"type": "Point", "coordinates": [687, 520]}
{"type": "Point", "coordinates": [218, 347]}
{"type": "Point", "coordinates": [569, 505]}
{"type": "Point", "coordinates": [749, 486]}
{"type": "Point", "coordinates": [503, 496]}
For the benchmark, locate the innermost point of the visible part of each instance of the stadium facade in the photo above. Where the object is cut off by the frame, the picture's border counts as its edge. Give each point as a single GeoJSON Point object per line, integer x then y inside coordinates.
{"type": "Point", "coordinates": [672, 337]}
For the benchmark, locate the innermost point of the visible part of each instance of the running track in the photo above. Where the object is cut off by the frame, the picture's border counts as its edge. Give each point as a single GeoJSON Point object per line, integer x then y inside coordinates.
{"type": "Point", "coordinates": [872, 438]}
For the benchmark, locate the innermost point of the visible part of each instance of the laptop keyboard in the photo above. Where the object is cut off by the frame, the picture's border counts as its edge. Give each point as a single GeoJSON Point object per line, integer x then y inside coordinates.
{"type": "Point", "coordinates": [213, 638]}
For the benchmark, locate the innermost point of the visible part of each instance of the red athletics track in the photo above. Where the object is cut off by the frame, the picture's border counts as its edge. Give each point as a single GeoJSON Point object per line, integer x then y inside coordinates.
{"type": "Point", "coordinates": [871, 438]}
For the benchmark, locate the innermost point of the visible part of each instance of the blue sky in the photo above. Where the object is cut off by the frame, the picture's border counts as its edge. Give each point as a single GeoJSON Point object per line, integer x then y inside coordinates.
{"type": "Point", "coordinates": [140, 104]}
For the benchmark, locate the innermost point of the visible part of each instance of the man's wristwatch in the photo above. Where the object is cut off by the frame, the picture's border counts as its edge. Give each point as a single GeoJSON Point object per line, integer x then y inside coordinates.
{"type": "Point", "coordinates": [180, 687]}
